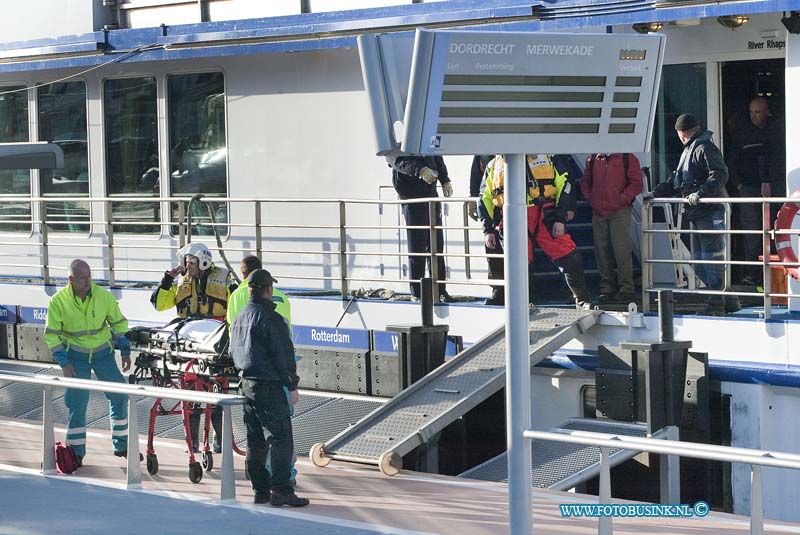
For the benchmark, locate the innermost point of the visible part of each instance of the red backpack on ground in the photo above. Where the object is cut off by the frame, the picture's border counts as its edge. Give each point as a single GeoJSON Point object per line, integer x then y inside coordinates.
{"type": "Point", "coordinates": [67, 461]}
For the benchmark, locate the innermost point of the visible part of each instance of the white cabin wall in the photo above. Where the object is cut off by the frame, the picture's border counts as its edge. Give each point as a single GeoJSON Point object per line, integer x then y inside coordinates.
{"type": "Point", "coordinates": [793, 135]}
{"type": "Point", "coordinates": [763, 418]}
{"type": "Point", "coordinates": [26, 23]}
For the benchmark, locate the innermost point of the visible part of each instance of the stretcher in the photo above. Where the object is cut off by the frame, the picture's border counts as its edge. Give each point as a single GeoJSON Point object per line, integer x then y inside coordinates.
{"type": "Point", "coordinates": [190, 354]}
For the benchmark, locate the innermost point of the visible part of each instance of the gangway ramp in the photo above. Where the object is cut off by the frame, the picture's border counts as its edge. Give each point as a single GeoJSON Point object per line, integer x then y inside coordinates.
{"type": "Point", "coordinates": [418, 413]}
{"type": "Point", "coordinates": [561, 466]}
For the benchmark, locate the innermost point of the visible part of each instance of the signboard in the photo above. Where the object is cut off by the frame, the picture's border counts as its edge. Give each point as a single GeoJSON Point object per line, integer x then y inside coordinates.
{"type": "Point", "coordinates": [386, 342]}
{"type": "Point", "coordinates": [8, 314]}
{"type": "Point", "coordinates": [515, 93]}
{"type": "Point", "coordinates": [32, 314]}
{"type": "Point", "coordinates": [330, 337]}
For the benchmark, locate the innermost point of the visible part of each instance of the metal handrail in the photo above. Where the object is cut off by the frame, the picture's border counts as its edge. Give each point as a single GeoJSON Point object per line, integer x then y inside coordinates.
{"type": "Point", "coordinates": [44, 238]}
{"type": "Point", "coordinates": [766, 263]}
{"type": "Point", "coordinates": [673, 448]}
{"type": "Point", "coordinates": [226, 401]}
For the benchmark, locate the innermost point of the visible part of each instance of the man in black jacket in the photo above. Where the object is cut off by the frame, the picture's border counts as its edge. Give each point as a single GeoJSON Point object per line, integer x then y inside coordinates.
{"type": "Point", "coordinates": [702, 173]}
{"type": "Point", "coordinates": [262, 350]}
{"type": "Point", "coordinates": [415, 177]}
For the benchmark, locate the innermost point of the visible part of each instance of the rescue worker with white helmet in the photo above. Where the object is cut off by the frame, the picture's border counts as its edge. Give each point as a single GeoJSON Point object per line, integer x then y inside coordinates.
{"type": "Point", "coordinates": [197, 289]}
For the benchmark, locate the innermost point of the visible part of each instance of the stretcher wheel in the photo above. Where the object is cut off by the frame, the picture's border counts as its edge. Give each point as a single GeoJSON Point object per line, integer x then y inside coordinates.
{"type": "Point", "coordinates": [390, 463]}
{"type": "Point", "coordinates": [208, 461]}
{"type": "Point", "coordinates": [195, 472]}
{"type": "Point", "coordinates": [152, 463]}
{"type": "Point", "coordinates": [317, 455]}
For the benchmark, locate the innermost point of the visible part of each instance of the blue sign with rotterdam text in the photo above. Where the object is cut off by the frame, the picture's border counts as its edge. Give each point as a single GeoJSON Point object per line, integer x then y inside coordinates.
{"type": "Point", "coordinates": [331, 337]}
{"type": "Point", "coordinates": [8, 314]}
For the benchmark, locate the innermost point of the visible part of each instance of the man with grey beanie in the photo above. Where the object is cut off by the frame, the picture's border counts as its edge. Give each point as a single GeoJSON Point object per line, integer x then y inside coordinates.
{"type": "Point", "coordinates": [702, 173]}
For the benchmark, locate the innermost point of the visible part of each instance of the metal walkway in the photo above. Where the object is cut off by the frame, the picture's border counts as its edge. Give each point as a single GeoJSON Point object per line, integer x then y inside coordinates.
{"type": "Point", "coordinates": [417, 414]}
{"type": "Point", "coordinates": [318, 416]}
{"type": "Point", "coordinates": [561, 466]}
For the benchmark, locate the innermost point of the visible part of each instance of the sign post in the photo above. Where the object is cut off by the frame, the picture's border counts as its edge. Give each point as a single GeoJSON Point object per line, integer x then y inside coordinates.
{"type": "Point", "coordinates": [473, 92]}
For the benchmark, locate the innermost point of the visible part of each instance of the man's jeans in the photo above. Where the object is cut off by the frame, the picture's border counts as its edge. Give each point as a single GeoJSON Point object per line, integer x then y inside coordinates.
{"type": "Point", "coordinates": [710, 247]}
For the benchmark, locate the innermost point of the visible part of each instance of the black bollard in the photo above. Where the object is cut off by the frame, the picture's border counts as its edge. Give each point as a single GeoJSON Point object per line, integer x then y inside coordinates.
{"type": "Point", "coordinates": [426, 300]}
{"type": "Point", "coordinates": [666, 331]}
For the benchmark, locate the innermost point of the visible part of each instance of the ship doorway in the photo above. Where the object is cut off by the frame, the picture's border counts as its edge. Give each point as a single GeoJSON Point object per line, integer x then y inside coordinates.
{"type": "Point", "coordinates": [740, 82]}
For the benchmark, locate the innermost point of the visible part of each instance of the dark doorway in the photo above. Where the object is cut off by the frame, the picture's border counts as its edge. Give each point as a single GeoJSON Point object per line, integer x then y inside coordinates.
{"type": "Point", "coordinates": [741, 82]}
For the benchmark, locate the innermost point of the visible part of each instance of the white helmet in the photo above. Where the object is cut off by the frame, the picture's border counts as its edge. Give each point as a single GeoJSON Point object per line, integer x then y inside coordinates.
{"type": "Point", "coordinates": [199, 251]}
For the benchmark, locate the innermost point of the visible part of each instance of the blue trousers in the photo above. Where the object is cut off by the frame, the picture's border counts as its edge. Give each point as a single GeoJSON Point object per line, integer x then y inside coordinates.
{"type": "Point", "coordinates": [710, 247]}
{"type": "Point", "coordinates": [105, 368]}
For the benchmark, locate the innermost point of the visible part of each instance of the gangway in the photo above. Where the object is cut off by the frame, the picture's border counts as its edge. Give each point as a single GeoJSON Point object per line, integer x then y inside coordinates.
{"type": "Point", "coordinates": [416, 415]}
{"type": "Point", "coordinates": [562, 466]}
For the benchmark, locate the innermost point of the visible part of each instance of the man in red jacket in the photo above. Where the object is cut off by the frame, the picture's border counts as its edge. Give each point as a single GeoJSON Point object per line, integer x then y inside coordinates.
{"type": "Point", "coordinates": [609, 184]}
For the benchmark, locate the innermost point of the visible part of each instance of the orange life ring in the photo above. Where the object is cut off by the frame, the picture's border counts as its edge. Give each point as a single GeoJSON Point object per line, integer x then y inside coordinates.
{"type": "Point", "coordinates": [783, 242]}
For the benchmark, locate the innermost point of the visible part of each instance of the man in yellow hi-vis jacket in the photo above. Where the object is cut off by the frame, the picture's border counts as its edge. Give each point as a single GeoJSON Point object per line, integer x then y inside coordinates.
{"type": "Point", "coordinates": [83, 326]}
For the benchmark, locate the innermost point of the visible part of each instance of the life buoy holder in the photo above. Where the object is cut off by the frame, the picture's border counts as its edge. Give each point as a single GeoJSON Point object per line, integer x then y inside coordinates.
{"type": "Point", "coordinates": [783, 242]}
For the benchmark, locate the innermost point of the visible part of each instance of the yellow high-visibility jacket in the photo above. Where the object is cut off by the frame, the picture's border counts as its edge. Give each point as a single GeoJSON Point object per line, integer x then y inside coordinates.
{"type": "Point", "coordinates": [189, 297]}
{"type": "Point", "coordinates": [85, 326]}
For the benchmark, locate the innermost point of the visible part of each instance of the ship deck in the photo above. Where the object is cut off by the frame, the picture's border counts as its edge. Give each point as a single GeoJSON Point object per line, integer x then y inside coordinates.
{"type": "Point", "coordinates": [345, 499]}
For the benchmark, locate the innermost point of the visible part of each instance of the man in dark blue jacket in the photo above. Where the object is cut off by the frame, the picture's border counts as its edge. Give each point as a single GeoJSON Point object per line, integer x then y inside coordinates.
{"type": "Point", "coordinates": [415, 177]}
{"type": "Point", "coordinates": [702, 173]}
{"type": "Point", "coordinates": [263, 352]}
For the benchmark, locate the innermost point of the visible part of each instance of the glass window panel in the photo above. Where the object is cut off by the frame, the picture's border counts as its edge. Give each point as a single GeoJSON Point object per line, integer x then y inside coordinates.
{"type": "Point", "coordinates": [14, 216]}
{"type": "Point", "coordinates": [198, 149]}
{"type": "Point", "coordinates": [62, 120]}
{"type": "Point", "coordinates": [131, 139]}
{"type": "Point", "coordinates": [682, 90]}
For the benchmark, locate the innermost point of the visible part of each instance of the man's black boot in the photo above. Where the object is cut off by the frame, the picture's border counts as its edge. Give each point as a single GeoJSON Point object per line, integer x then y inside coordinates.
{"type": "Point", "coordinates": [572, 267]}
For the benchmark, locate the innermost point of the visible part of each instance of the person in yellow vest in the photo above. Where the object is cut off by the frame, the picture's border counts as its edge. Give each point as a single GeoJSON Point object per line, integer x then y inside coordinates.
{"type": "Point", "coordinates": [197, 289]}
{"type": "Point", "coordinates": [551, 203]}
{"type": "Point", "coordinates": [236, 303]}
{"type": "Point", "coordinates": [83, 326]}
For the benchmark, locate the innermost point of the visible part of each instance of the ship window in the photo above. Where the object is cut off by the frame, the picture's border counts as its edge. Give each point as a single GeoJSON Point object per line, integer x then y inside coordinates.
{"type": "Point", "coordinates": [14, 216]}
{"type": "Point", "coordinates": [131, 145]}
{"type": "Point", "coordinates": [198, 148]}
{"type": "Point", "coordinates": [588, 395]}
{"type": "Point", "coordinates": [682, 89]}
{"type": "Point", "coordinates": [62, 120]}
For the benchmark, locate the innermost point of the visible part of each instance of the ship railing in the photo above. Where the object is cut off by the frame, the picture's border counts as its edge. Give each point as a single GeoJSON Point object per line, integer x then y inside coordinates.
{"type": "Point", "coordinates": [134, 393]}
{"type": "Point", "coordinates": [684, 262]}
{"type": "Point", "coordinates": [673, 449]}
{"type": "Point", "coordinates": [250, 237]}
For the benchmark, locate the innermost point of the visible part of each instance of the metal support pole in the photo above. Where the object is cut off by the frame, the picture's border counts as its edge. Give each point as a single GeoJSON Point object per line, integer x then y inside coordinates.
{"type": "Point", "coordinates": [756, 505]}
{"type": "Point", "coordinates": [343, 249]}
{"type": "Point", "coordinates": [48, 437]}
{"type": "Point", "coordinates": [181, 229]}
{"type": "Point", "coordinates": [227, 491]}
{"type": "Point", "coordinates": [45, 238]}
{"type": "Point", "coordinates": [258, 229]}
{"type": "Point", "coordinates": [134, 465]}
{"type": "Point", "coordinates": [518, 366]}
{"type": "Point", "coordinates": [110, 235]}
{"type": "Point", "coordinates": [647, 254]}
{"type": "Point", "coordinates": [435, 275]}
{"type": "Point", "coordinates": [670, 472]}
{"type": "Point", "coordinates": [604, 523]}
{"type": "Point", "coordinates": [467, 259]}
{"type": "Point", "coordinates": [726, 251]}
{"type": "Point", "coordinates": [765, 252]}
